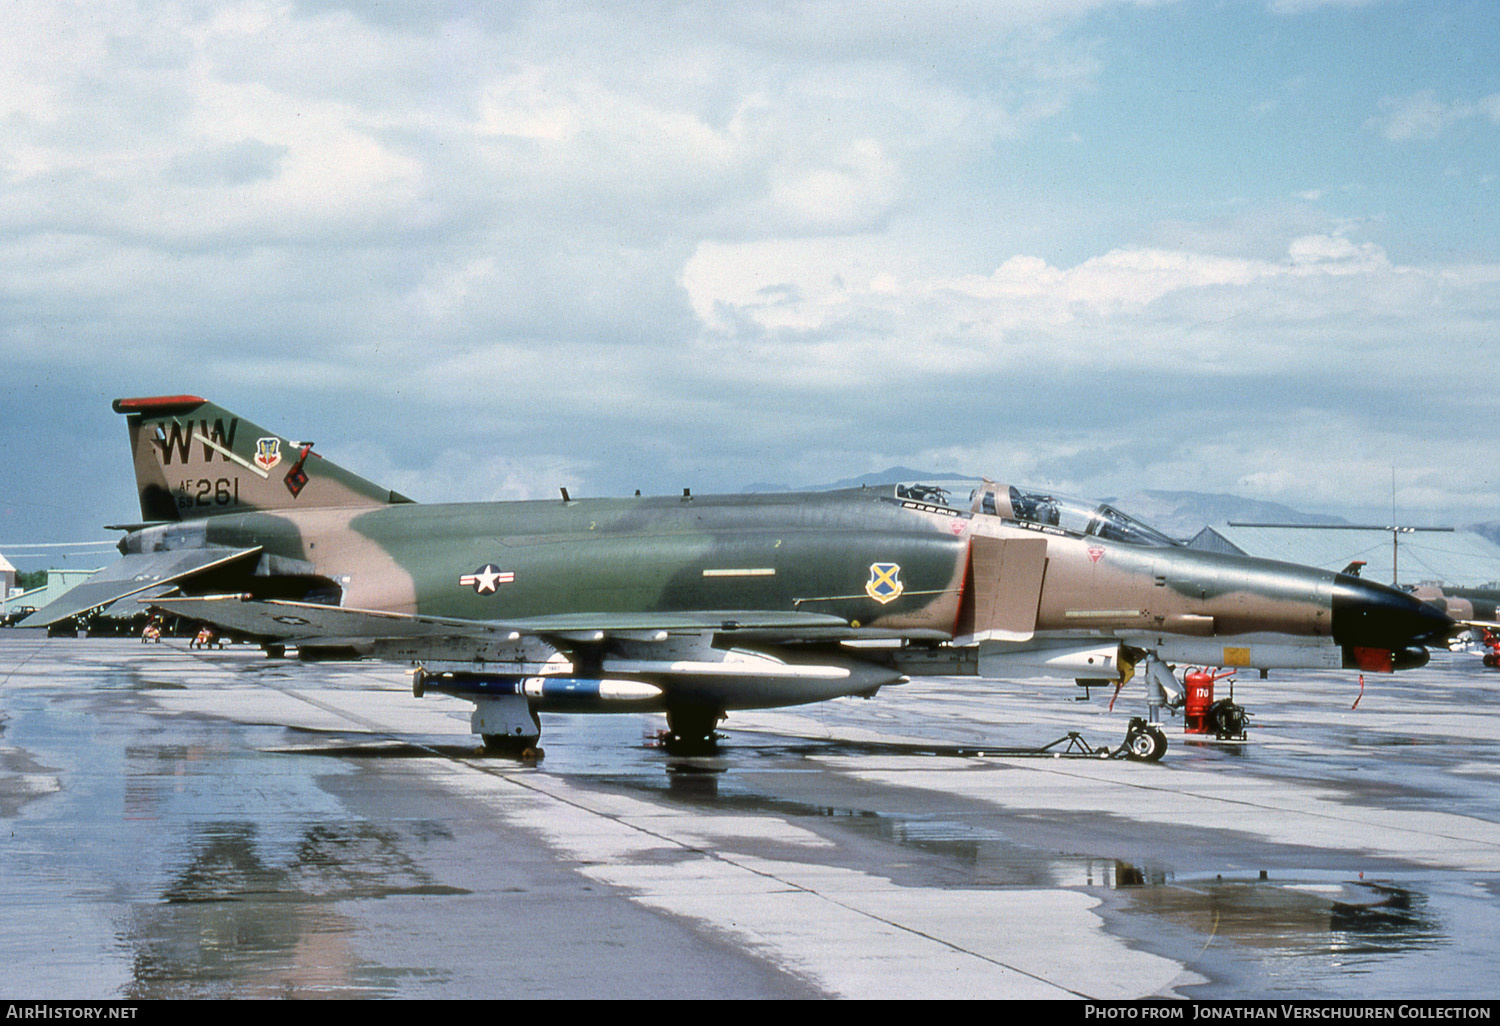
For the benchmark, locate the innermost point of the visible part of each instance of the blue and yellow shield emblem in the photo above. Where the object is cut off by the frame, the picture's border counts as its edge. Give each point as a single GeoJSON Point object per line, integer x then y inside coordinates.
{"type": "Point", "coordinates": [884, 584]}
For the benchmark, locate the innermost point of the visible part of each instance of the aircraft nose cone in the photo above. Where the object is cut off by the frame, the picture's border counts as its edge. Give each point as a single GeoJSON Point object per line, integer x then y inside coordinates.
{"type": "Point", "coordinates": [1371, 615]}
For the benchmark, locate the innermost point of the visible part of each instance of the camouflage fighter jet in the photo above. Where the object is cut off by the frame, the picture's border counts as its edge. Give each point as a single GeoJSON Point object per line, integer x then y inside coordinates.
{"type": "Point", "coordinates": [1468, 606]}
{"type": "Point", "coordinates": [699, 605]}
{"type": "Point", "coordinates": [1477, 613]}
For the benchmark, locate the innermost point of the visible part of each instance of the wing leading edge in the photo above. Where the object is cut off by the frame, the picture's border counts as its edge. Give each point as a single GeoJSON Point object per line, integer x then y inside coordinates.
{"type": "Point", "coordinates": [294, 622]}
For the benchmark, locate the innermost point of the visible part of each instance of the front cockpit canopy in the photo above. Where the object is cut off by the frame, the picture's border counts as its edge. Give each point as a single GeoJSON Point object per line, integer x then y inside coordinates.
{"type": "Point", "coordinates": [1030, 506]}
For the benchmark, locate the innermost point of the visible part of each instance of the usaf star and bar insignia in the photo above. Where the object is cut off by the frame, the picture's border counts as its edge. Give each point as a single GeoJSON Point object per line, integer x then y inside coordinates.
{"type": "Point", "coordinates": [885, 583]}
{"type": "Point", "coordinates": [487, 579]}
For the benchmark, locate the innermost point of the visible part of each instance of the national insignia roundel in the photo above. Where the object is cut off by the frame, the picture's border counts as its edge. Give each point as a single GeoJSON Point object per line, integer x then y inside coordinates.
{"type": "Point", "coordinates": [487, 579]}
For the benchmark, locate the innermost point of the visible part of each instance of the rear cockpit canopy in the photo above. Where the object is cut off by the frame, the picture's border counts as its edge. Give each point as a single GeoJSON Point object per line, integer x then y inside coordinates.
{"type": "Point", "coordinates": [1030, 506]}
{"type": "Point", "coordinates": [930, 494]}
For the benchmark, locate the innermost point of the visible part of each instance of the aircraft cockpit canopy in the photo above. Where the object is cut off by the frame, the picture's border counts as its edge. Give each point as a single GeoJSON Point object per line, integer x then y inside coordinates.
{"type": "Point", "coordinates": [930, 494]}
{"type": "Point", "coordinates": [1094, 519]}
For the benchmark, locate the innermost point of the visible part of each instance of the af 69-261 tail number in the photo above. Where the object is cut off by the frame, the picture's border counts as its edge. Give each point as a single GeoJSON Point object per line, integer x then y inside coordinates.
{"type": "Point", "coordinates": [208, 491]}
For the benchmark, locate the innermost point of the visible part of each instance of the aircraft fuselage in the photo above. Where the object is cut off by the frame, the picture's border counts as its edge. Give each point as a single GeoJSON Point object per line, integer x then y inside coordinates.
{"type": "Point", "coordinates": [888, 569]}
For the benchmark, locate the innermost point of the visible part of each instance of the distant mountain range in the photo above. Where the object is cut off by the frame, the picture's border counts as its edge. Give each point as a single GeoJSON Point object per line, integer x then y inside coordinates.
{"type": "Point", "coordinates": [894, 474]}
{"type": "Point", "coordinates": [1179, 514]}
{"type": "Point", "coordinates": [1489, 529]}
{"type": "Point", "coordinates": [1184, 514]}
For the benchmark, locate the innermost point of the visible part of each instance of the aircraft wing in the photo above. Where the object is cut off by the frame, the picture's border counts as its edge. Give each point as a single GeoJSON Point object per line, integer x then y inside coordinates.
{"type": "Point", "coordinates": [132, 575]}
{"type": "Point", "coordinates": [294, 622]}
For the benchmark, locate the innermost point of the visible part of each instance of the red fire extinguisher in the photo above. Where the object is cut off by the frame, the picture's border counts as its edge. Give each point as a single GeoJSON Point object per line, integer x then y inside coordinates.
{"type": "Point", "coordinates": [1202, 715]}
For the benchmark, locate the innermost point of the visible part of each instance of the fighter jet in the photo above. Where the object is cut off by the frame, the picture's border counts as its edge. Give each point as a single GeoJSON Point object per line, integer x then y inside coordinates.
{"type": "Point", "coordinates": [1468, 606]}
{"type": "Point", "coordinates": [696, 606]}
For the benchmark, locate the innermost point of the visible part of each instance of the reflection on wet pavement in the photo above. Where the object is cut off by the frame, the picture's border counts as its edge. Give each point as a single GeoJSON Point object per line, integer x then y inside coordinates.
{"type": "Point", "coordinates": [22, 778]}
{"type": "Point", "coordinates": [230, 922]}
{"type": "Point", "coordinates": [1302, 930]}
{"type": "Point", "coordinates": [217, 826]}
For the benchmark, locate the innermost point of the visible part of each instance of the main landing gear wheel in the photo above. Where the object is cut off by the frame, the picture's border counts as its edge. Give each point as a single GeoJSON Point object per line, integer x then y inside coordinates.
{"type": "Point", "coordinates": [691, 731]}
{"type": "Point", "coordinates": [1144, 743]}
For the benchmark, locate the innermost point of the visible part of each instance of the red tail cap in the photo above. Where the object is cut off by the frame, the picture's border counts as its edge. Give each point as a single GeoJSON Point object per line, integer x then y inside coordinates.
{"type": "Point", "coordinates": [159, 403]}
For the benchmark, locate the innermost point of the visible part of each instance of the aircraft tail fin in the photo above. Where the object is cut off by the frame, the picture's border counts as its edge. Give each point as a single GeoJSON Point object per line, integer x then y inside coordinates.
{"type": "Point", "coordinates": [194, 459]}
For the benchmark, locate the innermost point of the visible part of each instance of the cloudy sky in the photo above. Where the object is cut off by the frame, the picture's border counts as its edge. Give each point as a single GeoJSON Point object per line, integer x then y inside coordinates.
{"type": "Point", "coordinates": [479, 251]}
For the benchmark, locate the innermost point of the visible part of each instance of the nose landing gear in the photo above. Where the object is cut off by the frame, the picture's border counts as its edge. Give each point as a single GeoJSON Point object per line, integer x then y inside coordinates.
{"type": "Point", "coordinates": [1144, 742]}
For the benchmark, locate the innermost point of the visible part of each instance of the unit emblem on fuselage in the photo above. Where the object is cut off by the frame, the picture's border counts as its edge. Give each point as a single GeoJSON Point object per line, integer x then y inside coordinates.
{"type": "Point", "coordinates": [884, 584]}
{"type": "Point", "coordinates": [267, 453]}
{"type": "Point", "coordinates": [487, 579]}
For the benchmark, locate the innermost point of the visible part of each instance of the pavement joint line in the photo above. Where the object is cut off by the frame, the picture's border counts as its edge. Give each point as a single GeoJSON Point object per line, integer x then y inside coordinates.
{"type": "Point", "coordinates": [1046, 767]}
{"type": "Point", "coordinates": [1058, 770]}
{"type": "Point", "coordinates": [763, 874]}
{"type": "Point", "coordinates": [1346, 788]}
{"type": "Point", "coordinates": [521, 783]}
{"type": "Point", "coordinates": [16, 668]}
{"type": "Point", "coordinates": [1264, 807]}
{"type": "Point", "coordinates": [1049, 766]}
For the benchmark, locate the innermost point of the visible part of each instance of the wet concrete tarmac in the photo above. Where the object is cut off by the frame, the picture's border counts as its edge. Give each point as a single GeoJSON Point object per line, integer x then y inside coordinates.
{"type": "Point", "coordinates": [213, 824]}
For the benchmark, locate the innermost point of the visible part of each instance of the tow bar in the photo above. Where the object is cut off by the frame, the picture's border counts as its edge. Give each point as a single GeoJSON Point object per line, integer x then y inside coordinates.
{"type": "Point", "coordinates": [1144, 742]}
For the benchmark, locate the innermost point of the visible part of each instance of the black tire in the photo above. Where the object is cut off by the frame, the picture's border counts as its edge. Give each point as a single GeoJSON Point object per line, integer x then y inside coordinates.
{"type": "Point", "coordinates": [691, 731]}
{"type": "Point", "coordinates": [523, 747]}
{"type": "Point", "coordinates": [1145, 745]}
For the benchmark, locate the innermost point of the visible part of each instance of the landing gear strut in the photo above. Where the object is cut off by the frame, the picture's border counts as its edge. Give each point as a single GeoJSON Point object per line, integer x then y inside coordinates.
{"type": "Point", "coordinates": [508, 725]}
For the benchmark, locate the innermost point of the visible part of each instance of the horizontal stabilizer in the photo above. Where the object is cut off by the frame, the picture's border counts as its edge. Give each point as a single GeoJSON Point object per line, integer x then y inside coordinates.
{"type": "Point", "coordinates": [132, 575]}
{"type": "Point", "coordinates": [328, 625]}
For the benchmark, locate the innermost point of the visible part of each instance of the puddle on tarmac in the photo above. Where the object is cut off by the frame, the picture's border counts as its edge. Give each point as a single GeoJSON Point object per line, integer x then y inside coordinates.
{"type": "Point", "coordinates": [23, 779]}
{"type": "Point", "coordinates": [1315, 918]}
{"type": "Point", "coordinates": [235, 920]}
{"type": "Point", "coordinates": [980, 856]}
{"type": "Point", "coordinates": [1313, 922]}
{"type": "Point", "coordinates": [202, 867]}
{"type": "Point", "coordinates": [995, 860]}
{"type": "Point", "coordinates": [1348, 919]}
